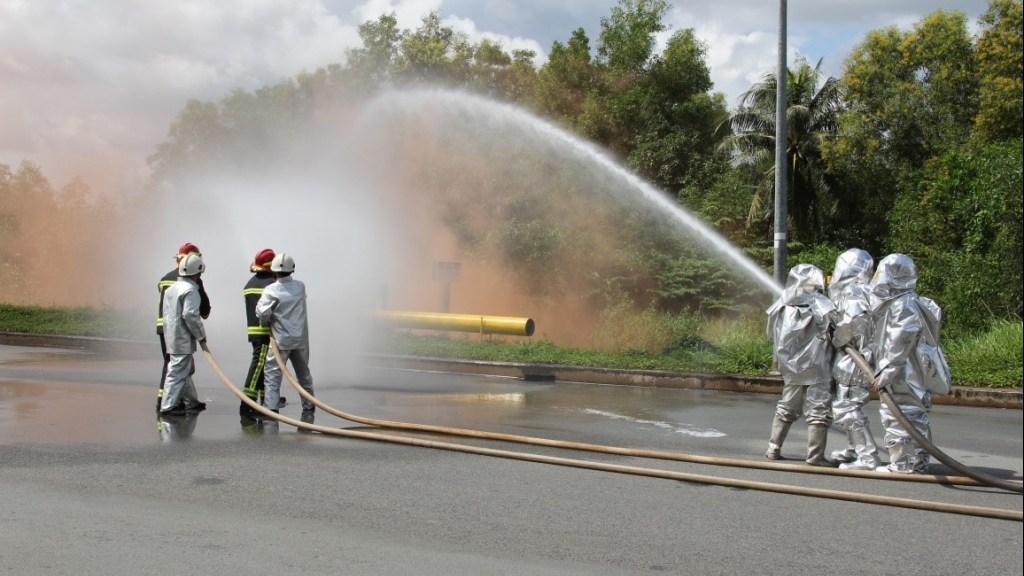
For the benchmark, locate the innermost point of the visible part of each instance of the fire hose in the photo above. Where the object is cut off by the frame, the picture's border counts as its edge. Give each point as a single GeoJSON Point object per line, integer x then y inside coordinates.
{"type": "Point", "coordinates": [635, 452]}
{"type": "Point", "coordinates": [924, 442]}
{"type": "Point", "coordinates": [984, 512]}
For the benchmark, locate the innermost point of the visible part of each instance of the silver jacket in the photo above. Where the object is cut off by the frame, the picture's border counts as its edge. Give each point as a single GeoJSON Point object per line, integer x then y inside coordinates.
{"type": "Point", "coordinates": [182, 323]}
{"type": "Point", "coordinates": [900, 318]}
{"type": "Point", "coordinates": [283, 307]}
{"type": "Point", "coordinates": [800, 326]}
{"type": "Point", "coordinates": [850, 290]}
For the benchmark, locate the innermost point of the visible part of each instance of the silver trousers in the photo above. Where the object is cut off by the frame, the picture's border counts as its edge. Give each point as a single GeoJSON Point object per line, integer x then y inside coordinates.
{"type": "Point", "coordinates": [178, 385]}
{"type": "Point", "coordinates": [299, 359]}
{"type": "Point", "coordinates": [813, 401]}
{"type": "Point", "coordinates": [905, 455]}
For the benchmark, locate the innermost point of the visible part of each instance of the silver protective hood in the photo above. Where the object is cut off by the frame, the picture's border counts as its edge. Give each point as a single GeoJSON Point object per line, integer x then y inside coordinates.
{"type": "Point", "coordinates": [854, 265]}
{"type": "Point", "coordinates": [896, 275]}
{"type": "Point", "coordinates": [803, 282]}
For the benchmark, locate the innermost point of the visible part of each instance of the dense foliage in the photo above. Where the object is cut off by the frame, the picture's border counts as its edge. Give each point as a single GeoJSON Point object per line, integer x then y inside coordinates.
{"type": "Point", "coordinates": [915, 148]}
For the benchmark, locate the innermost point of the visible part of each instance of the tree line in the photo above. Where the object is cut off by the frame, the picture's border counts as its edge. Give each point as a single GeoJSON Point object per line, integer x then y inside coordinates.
{"type": "Point", "coordinates": [914, 148]}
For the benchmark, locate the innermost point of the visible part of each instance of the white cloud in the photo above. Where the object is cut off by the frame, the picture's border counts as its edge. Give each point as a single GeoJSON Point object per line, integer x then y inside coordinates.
{"type": "Point", "coordinates": [90, 87]}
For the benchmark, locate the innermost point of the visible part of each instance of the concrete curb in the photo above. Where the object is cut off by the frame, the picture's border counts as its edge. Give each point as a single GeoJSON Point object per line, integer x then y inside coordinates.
{"type": "Point", "coordinates": [960, 395]}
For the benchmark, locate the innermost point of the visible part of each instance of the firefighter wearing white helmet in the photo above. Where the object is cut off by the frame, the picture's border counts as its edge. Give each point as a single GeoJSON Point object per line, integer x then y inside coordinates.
{"type": "Point", "coordinates": [282, 306]}
{"type": "Point", "coordinates": [166, 282]}
{"type": "Point", "coordinates": [183, 327]}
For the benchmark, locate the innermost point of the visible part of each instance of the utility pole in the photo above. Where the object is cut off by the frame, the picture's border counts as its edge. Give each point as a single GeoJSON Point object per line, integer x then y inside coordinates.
{"type": "Point", "coordinates": [781, 172]}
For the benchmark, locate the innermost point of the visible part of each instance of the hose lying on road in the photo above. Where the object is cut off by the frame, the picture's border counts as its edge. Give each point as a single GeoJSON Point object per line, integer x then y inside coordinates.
{"type": "Point", "coordinates": [635, 452]}
{"type": "Point", "coordinates": [925, 443]}
{"type": "Point", "coordinates": [979, 511]}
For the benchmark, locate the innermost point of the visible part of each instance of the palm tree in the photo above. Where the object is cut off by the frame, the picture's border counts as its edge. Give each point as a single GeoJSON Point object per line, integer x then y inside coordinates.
{"type": "Point", "coordinates": [810, 120]}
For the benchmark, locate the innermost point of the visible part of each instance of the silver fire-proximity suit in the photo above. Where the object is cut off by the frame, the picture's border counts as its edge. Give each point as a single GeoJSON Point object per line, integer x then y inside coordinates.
{"type": "Point", "coordinates": [900, 317]}
{"type": "Point", "coordinates": [850, 291]}
{"type": "Point", "coordinates": [183, 326]}
{"type": "Point", "coordinates": [800, 326]}
{"type": "Point", "coordinates": [282, 306]}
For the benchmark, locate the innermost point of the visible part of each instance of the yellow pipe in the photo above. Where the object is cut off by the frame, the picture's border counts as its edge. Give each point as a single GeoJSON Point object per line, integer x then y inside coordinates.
{"type": "Point", "coordinates": [456, 322]}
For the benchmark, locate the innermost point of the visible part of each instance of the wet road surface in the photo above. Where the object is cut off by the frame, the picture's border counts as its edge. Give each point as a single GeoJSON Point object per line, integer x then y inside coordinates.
{"type": "Point", "coordinates": [93, 482]}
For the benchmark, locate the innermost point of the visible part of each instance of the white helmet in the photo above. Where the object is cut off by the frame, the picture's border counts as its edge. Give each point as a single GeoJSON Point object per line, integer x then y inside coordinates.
{"type": "Point", "coordinates": [191, 265]}
{"type": "Point", "coordinates": [282, 263]}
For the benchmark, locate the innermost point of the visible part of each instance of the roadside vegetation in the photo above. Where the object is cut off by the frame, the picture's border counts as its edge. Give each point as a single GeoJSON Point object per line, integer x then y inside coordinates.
{"type": "Point", "coordinates": [651, 341]}
{"type": "Point", "coordinates": [77, 321]}
{"type": "Point", "coordinates": [915, 147]}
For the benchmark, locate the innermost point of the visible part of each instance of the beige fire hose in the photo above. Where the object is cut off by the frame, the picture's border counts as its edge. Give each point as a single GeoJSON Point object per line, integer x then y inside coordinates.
{"type": "Point", "coordinates": [635, 452]}
{"type": "Point", "coordinates": [925, 443]}
{"type": "Point", "coordinates": [983, 512]}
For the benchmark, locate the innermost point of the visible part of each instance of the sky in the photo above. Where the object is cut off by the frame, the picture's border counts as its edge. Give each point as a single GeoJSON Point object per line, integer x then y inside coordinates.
{"type": "Point", "coordinates": [89, 87]}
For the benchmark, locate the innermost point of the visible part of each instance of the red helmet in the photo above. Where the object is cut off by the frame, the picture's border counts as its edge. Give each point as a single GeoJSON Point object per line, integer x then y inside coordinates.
{"type": "Point", "coordinates": [261, 261]}
{"type": "Point", "coordinates": [188, 248]}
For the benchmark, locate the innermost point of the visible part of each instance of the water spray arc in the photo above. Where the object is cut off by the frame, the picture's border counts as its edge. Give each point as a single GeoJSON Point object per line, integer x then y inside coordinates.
{"type": "Point", "coordinates": [984, 512]}
{"type": "Point", "coordinates": [488, 113]}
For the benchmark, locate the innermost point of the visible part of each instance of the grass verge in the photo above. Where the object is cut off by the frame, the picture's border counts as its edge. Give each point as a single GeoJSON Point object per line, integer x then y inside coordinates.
{"type": "Point", "coordinates": [649, 341]}
{"type": "Point", "coordinates": [103, 322]}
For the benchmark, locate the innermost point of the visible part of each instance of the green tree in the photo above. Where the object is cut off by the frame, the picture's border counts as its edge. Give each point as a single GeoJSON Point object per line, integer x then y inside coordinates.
{"type": "Point", "coordinates": [963, 225]}
{"type": "Point", "coordinates": [1001, 91]}
{"type": "Point", "coordinates": [372, 65]}
{"type": "Point", "coordinates": [811, 111]}
{"type": "Point", "coordinates": [497, 74]}
{"type": "Point", "coordinates": [434, 54]}
{"type": "Point", "coordinates": [909, 96]}
{"type": "Point", "coordinates": [627, 36]}
{"type": "Point", "coordinates": [567, 79]}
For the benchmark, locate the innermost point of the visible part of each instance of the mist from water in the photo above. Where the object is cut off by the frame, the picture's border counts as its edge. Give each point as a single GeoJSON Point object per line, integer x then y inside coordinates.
{"type": "Point", "coordinates": [501, 118]}
{"type": "Point", "coordinates": [359, 201]}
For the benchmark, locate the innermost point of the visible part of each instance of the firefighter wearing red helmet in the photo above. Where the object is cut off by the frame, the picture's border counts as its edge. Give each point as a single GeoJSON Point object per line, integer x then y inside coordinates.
{"type": "Point", "coordinates": [166, 282]}
{"type": "Point", "coordinates": [259, 336]}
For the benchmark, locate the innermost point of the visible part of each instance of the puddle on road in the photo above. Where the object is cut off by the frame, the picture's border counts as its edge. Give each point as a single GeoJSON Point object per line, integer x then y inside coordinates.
{"type": "Point", "coordinates": [55, 412]}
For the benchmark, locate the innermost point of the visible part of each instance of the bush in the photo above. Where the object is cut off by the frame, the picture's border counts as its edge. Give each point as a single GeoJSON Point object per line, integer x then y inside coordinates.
{"type": "Point", "coordinates": [993, 359]}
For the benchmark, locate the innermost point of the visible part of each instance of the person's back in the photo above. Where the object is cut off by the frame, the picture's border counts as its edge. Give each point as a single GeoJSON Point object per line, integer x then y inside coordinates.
{"type": "Point", "coordinates": [183, 327]}
{"type": "Point", "coordinates": [286, 299]}
{"type": "Point", "coordinates": [799, 328]}
{"type": "Point", "coordinates": [257, 334]}
{"type": "Point", "coordinates": [166, 282]}
{"type": "Point", "coordinates": [901, 320]}
{"type": "Point", "coordinates": [183, 322]}
{"type": "Point", "coordinates": [283, 307]}
{"type": "Point", "coordinates": [850, 290]}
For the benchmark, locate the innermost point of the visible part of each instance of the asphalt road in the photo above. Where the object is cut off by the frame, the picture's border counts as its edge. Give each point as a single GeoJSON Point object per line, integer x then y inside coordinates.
{"type": "Point", "coordinates": [92, 483]}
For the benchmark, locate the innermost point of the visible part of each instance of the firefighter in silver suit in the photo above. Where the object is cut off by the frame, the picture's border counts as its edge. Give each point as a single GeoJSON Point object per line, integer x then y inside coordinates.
{"type": "Point", "coordinates": [904, 325]}
{"type": "Point", "coordinates": [850, 291]}
{"type": "Point", "coordinates": [282, 307]}
{"type": "Point", "coordinates": [800, 326]}
{"type": "Point", "coordinates": [183, 327]}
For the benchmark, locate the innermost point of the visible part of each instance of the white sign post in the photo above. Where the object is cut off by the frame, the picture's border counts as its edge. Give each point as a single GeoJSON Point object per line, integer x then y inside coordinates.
{"type": "Point", "coordinates": [446, 273]}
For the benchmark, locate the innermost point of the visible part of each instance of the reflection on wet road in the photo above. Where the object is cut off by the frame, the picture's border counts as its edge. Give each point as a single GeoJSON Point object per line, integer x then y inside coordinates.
{"type": "Point", "coordinates": [57, 396]}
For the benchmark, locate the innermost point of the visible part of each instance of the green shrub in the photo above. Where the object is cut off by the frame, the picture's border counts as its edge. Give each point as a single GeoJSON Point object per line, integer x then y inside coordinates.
{"type": "Point", "coordinates": [993, 359]}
